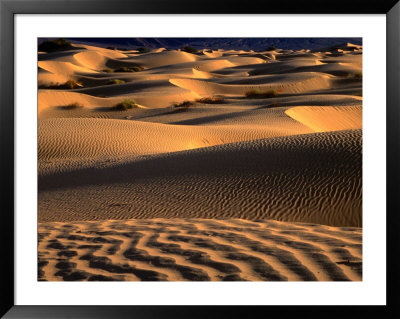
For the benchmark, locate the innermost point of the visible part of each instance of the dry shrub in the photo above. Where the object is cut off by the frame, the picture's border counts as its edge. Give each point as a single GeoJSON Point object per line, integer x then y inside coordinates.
{"type": "Point", "coordinates": [257, 94]}
{"type": "Point", "coordinates": [116, 81]}
{"type": "Point", "coordinates": [70, 84]}
{"type": "Point", "coordinates": [184, 104]}
{"type": "Point", "coordinates": [125, 105]}
{"type": "Point", "coordinates": [72, 106]}
{"type": "Point", "coordinates": [135, 68]}
{"type": "Point", "coordinates": [211, 100]}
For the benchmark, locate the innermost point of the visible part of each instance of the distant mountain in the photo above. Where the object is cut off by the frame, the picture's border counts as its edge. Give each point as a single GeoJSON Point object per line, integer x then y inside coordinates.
{"type": "Point", "coordinates": [217, 43]}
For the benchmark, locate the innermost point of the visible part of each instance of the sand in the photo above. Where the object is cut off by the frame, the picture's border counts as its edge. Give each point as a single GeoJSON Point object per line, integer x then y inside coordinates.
{"type": "Point", "coordinates": [198, 250]}
{"type": "Point", "coordinates": [264, 188]}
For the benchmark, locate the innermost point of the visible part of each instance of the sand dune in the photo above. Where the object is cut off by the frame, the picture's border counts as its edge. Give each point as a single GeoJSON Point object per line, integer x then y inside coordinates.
{"type": "Point", "coordinates": [58, 98]}
{"type": "Point", "coordinates": [98, 137]}
{"type": "Point", "coordinates": [143, 97]}
{"type": "Point", "coordinates": [98, 60]}
{"type": "Point", "coordinates": [66, 68]}
{"type": "Point", "coordinates": [198, 181]}
{"type": "Point", "coordinates": [199, 250]}
{"type": "Point", "coordinates": [213, 54]}
{"type": "Point", "coordinates": [322, 119]}
{"type": "Point", "coordinates": [297, 83]}
{"type": "Point", "coordinates": [153, 60]}
{"type": "Point", "coordinates": [306, 178]}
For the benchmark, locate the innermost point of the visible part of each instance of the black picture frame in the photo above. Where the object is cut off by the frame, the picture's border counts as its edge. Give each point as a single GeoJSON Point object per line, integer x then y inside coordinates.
{"type": "Point", "coordinates": [9, 8]}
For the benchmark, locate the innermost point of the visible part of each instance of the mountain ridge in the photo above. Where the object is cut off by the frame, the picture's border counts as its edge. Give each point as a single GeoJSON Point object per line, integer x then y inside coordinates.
{"type": "Point", "coordinates": [216, 43]}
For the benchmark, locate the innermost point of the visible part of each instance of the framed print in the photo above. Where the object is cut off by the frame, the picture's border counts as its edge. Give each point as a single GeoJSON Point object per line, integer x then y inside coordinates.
{"type": "Point", "coordinates": [161, 160]}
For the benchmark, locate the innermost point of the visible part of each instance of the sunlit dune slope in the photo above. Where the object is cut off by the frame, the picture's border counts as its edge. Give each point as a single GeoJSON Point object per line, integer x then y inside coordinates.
{"type": "Point", "coordinates": [89, 139]}
{"type": "Point", "coordinates": [291, 156]}
{"type": "Point", "coordinates": [306, 178]}
{"type": "Point", "coordinates": [301, 82]}
{"type": "Point", "coordinates": [322, 119]}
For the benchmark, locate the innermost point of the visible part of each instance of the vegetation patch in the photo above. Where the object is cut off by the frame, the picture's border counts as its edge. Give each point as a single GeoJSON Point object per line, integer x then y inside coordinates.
{"type": "Point", "coordinates": [211, 100]}
{"type": "Point", "coordinates": [107, 70]}
{"type": "Point", "coordinates": [70, 84]}
{"type": "Point", "coordinates": [129, 69]}
{"type": "Point", "coordinates": [116, 81]}
{"type": "Point", "coordinates": [71, 106]}
{"type": "Point", "coordinates": [125, 105]}
{"type": "Point", "coordinates": [184, 104]}
{"type": "Point", "coordinates": [55, 45]}
{"type": "Point", "coordinates": [357, 75]}
{"type": "Point", "coordinates": [258, 94]}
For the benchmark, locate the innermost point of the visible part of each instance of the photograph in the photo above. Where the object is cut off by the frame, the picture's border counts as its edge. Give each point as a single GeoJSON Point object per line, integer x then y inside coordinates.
{"type": "Point", "coordinates": [171, 159]}
{"type": "Point", "coordinates": [200, 159]}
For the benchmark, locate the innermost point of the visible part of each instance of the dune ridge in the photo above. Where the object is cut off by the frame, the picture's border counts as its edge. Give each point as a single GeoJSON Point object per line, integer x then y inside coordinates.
{"type": "Point", "coordinates": [307, 178]}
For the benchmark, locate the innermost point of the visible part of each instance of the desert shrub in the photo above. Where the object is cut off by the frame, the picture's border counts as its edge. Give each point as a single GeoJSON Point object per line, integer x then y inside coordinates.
{"type": "Point", "coordinates": [184, 104]}
{"type": "Point", "coordinates": [72, 106]}
{"type": "Point", "coordinates": [123, 69]}
{"type": "Point", "coordinates": [55, 45]}
{"type": "Point", "coordinates": [211, 100]}
{"type": "Point", "coordinates": [116, 81]}
{"type": "Point", "coordinates": [107, 70]}
{"type": "Point", "coordinates": [270, 48]}
{"type": "Point", "coordinates": [357, 75]}
{"type": "Point", "coordinates": [257, 94]}
{"type": "Point", "coordinates": [70, 84]}
{"type": "Point", "coordinates": [129, 69]}
{"type": "Point", "coordinates": [125, 105]}
{"type": "Point", "coordinates": [137, 68]}
{"type": "Point", "coordinates": [189, 49]}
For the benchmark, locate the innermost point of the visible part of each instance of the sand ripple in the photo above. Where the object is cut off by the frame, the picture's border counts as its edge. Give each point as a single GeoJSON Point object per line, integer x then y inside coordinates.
{"type": "Point", "coordinates": [305, 178]}
{"type": "Point", "coordinates": [198, 250]}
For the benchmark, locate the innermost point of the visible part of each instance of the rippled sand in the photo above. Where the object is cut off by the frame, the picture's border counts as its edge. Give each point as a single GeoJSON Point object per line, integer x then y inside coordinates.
{"type": "Point", "coordinates": [198, 249]}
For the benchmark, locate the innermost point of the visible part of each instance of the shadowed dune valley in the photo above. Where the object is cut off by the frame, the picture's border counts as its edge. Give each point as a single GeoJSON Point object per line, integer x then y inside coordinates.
{"type": "Point", "coordinates": [200, 159]}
